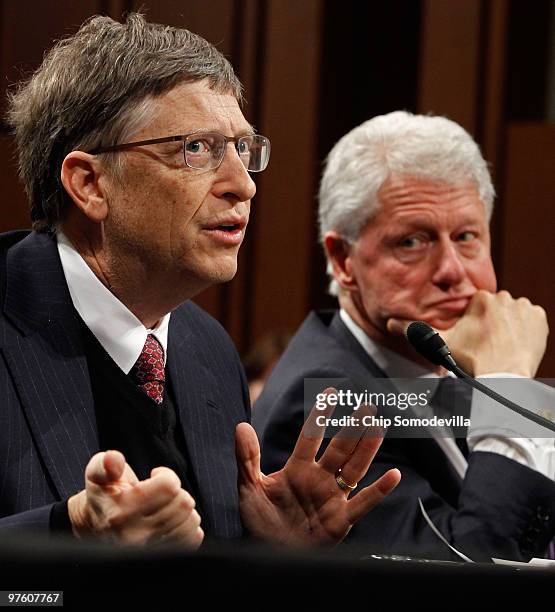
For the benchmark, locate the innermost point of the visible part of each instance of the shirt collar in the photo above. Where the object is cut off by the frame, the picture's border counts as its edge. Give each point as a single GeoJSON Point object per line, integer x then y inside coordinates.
{"type": "Point", "coordinates": [118, 330]}
{"type": "Point", "coordinates": [390, 362]}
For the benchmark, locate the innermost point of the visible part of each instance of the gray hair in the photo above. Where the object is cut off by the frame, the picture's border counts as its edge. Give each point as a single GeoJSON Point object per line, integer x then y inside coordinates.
{"type": "Point", "coordinates": [397, 143]}
{"type": "Point", "coordinates": [97, 88]}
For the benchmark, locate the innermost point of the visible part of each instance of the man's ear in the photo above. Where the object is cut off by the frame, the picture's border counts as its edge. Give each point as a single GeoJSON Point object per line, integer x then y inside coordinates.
{"type": "Point", "coordinates": [338, 251]}
{"type": "Point", "coordinates": [80, 176]}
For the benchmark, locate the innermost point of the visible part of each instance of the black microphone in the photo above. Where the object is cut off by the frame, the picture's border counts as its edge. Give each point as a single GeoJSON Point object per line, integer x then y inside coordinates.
{"type": "Point", "coordinates": [428, 343]}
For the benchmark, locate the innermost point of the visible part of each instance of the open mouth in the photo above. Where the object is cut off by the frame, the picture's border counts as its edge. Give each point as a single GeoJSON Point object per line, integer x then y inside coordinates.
{"type": "Point", "coordinates": [228, 228]}
{"type": "Point", "coordinates": [227, 233]}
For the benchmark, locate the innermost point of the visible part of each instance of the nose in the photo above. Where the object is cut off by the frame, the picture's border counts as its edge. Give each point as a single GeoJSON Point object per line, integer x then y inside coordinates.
{"type": "Point", "coordinates": [450, 270]}
{"type": "Point", "coordinates": [233, 181]}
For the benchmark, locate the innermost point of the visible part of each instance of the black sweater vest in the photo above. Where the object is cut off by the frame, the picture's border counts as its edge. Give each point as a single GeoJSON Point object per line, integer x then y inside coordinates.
{"type": "Point", "coordinates": [148, 434]}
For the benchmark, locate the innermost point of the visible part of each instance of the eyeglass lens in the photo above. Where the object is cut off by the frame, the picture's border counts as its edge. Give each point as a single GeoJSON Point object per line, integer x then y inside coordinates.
{"type": "Point", "coordinates": [206, 151]}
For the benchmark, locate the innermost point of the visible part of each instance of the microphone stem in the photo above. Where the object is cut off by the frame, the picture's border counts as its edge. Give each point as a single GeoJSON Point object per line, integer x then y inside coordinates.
{"type": "Point", "coordinates": [499, 398]}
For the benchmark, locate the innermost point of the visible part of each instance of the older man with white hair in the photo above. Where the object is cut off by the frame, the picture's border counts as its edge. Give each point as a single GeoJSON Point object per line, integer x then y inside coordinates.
{"type": "Point", "coordinates": [404, 206]}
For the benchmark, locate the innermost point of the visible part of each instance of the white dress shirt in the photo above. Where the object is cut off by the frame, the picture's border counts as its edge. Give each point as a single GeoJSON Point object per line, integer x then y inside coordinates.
{"type": "Point", "coordinates": [118, 330]}
{"type": "Point", "coordinates": [485, 433]}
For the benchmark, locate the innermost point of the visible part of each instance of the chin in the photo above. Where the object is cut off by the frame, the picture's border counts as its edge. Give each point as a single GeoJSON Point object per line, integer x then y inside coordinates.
{"type": "Point", "coordinates": [206, 274]}
{"type": "Point", "coordinates": [224, 273]}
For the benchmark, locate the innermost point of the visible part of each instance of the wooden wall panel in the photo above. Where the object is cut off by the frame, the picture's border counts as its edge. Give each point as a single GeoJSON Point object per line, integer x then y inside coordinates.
{"type": "Point", "coordinates": [28, 28]}
{"type": "Point", "coordinates": [494, 82]}
{"type": "Point", "coordinates": [491, 111]}
{"type": "Point", "coordinates": [26, 31]}
{"type": "Point", "coordinates": [284, 214]}
{"type": "Point", "coordinates": [529, 221]}
{"type": "Point", "coordinates": [213, 20]}
{"type": "Point", "coordinates": [14, 208]}
{"type": "Point", "coordinates": [449, 59]}
{"type": "Point", "coordinates": [248, 61]}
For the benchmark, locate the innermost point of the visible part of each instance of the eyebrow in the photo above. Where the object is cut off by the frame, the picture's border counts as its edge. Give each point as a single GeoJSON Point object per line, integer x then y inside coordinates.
{"type": "Point", "coordinates": [404, 225]}
{"type": "Point", "coordinates": [250, 131]}
{"type": "Point", "coordinates": [424, 224]}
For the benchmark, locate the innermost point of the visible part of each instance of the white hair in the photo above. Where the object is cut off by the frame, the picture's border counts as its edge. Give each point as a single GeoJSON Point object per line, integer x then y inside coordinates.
{"type": "Point", "coordinates": [422, 146]}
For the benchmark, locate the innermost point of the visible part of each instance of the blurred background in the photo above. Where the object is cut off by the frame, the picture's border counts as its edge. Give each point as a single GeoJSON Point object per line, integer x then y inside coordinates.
{"type": "Point", "coordinates": [312, 70]}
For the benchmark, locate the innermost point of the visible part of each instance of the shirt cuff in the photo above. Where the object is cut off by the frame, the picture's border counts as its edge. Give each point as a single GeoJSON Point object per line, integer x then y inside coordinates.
{"type": "Point", "coordinates": [497, 429]}
{"type": "Point", "coordinates": [532, 453]}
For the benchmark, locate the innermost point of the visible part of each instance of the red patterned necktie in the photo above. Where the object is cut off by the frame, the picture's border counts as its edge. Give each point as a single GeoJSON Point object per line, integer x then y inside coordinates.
{"type": "Point", "coordinates": [148, 371]}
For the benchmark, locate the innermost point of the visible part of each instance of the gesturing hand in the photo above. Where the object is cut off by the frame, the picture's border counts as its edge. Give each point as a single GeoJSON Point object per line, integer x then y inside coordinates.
{"type": "Point", "coordinates": [302, 504]}
{"type": "Point", "coordinates": [116, 506]}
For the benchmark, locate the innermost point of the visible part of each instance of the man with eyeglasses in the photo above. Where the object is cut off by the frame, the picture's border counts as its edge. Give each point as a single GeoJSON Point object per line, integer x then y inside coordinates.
{"type": "Point", "coordinates": [136, 159]}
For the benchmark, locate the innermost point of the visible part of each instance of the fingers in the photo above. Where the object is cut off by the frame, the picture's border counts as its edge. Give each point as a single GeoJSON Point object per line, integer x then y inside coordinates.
{"type": "Point", "coordinates": [165, 473]}
{"type": "Point", "coordinates": [177, 522]}
{"type": "Point", "coordinates": [117, 507]}
{"type": "Point", "coordinates": [181, 509]}
{"type": "Point", "coordinates": [77, 513]}
{"type": "Point", "coordinates": [181, 529]}
{"type": "Point", "coordinates": [312, 433]}
{"type": "Point", "coordinates": [358, 463]}
{"type": "Point", "coordinates": [188, 539]}
{"type": "Point", "coordinates": [372, 495]}
{"type": "Point", "coordinates": [343, 445]}
{"type": "Point", "coordinates": [155, 509]}
{"type": "Point", "coordinates": [247, 451]}
{"type": "Point", "coordinates": [153, 493]}
{"type": "Point", "coordinates": [105, 468]}
{"type": "Point", "coordinates": [499, 333]}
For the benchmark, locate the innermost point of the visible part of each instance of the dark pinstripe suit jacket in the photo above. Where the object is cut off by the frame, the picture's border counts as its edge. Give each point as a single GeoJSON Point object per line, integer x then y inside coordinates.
{"type": "Point", "coordinates": [47, 419]}
{"type": "Point", "coordinates": [501, 509]}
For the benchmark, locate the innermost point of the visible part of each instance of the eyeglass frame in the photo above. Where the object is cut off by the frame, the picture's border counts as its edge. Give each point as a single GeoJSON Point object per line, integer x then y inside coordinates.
{"type": "Point", "coordinates": [182, 138]}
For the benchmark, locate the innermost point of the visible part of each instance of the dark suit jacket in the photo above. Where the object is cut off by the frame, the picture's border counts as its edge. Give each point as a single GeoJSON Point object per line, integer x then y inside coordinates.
{"type": "Point", "coordinates": [47, 420]}
{"type": "Point", "coordinates": [502, 508]}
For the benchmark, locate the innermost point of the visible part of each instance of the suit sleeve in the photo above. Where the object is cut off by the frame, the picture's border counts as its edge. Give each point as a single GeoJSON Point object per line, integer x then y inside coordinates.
{"type": "Point", "coordinates": [35, 520]}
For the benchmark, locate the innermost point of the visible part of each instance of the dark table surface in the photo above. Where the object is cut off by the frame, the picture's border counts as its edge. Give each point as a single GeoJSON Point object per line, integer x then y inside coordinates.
{"type": "Point", "coordinates": [99, 576]}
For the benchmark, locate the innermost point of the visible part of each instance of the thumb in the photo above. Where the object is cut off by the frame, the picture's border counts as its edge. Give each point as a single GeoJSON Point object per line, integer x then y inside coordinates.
{"type": "Point", "coordinates": [105, 468]}
{"type": "Point", "coordinates": [168, 475]}
{"type": "Point", "coordinates": [247, 450]}
{"type": "Point", "coordinates": [397, 327]}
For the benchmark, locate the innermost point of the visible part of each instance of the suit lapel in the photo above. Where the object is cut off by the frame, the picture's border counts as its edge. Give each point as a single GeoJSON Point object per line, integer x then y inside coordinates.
{"type": "Point", "coordinates": [207, 430]}
{"type": "Point", "coordinates": [47, 362]}
{"type": "Point", "coordinates": [345, 337]}
{"type": "Point", "coordinates": [426, 452]}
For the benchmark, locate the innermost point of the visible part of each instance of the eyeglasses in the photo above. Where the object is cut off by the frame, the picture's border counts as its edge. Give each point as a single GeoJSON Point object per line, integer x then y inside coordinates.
{"type": "Point", "coordinates": [206, 150]}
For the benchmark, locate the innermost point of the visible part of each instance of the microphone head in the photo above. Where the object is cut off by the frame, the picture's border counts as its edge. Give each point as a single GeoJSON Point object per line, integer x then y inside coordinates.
{"type": "Point", "coordinates": [427, 342]}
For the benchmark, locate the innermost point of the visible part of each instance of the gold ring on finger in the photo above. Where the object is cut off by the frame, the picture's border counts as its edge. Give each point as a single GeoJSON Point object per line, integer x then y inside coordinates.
{"type": "Point", "coordinates": [344, 485]}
